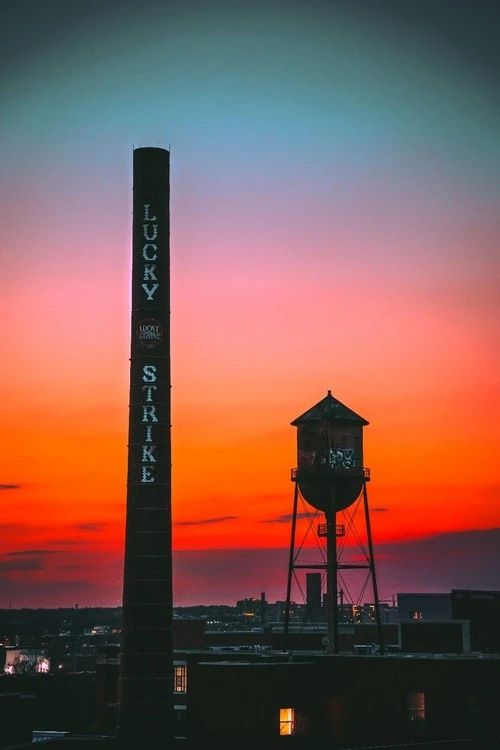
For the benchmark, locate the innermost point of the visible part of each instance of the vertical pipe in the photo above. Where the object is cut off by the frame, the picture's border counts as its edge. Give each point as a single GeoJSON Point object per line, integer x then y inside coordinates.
{"type": "Point", "coordinates": [145, 696]}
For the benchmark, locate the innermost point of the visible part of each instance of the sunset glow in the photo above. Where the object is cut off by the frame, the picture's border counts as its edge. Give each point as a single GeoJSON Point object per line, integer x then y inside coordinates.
{"type": "Point", "coordinates": [335, 182]}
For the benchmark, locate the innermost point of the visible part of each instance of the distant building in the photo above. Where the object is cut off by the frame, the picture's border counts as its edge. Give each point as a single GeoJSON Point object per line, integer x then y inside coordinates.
{"type": "Point", "coordinates": [482, 610]}
{"type": "Point", "coordinates": [26, 661]}
{"type": "Point", "coordinates": [462, 621]}
{"type": "Point", "coordinates": [428, 607]}
{"type": "Point", "coordinates": [314, 610]}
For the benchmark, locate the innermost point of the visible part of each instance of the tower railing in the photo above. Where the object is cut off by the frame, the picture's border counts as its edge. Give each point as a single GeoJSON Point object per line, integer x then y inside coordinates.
{"type": "Point", "coordinates": [327, 472]}
{"type": "Point", "coordinates": [323, 529]}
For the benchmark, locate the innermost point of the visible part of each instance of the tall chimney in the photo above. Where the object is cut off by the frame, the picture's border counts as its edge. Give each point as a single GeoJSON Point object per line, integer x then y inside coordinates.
{"type": "Point", "coordinates": [145, 695]}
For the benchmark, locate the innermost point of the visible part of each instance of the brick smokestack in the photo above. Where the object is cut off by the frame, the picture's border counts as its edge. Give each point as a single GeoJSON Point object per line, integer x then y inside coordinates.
{"type": "Point", "coordinates": [145, 695]}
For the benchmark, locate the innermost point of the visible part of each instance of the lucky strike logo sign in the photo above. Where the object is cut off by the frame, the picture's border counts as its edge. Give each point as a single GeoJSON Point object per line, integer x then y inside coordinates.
{"type": "Point", "coordinates": [149, 333]}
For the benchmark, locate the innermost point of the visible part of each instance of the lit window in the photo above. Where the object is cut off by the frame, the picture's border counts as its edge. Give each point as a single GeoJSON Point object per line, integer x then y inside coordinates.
{"type": "Point", "coordinates": [180, 677]}
{"type": "Point", "coordinates": [287, 716]}
{"type": "Point", "coordinates": [416, 615]}
{"type": "Point", "coordinates": [415, 704]}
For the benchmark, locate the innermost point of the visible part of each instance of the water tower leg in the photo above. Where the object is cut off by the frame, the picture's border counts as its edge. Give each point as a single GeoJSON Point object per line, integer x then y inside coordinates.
{"type": "Point", "coordinates": [372, 571]}
{"type": "Point", "coordinates": [331, 581]}
{"type": "Point", "coordinates": [290, 568]}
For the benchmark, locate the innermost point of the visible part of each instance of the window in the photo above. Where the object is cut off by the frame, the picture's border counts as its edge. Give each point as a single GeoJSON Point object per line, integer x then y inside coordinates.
{"type": "Point", "coordinates": [474, 712]}
{"type": "Point", "coordinates": [180, 721]}
{"type": "Point", "coordinates": [180, 677]}
{"type": "Point", "coordinates": [287, 718]}
{"type": "Point", "coordinates": [415, 703]}
{"type": "Point", "coordinates": [416, 614]}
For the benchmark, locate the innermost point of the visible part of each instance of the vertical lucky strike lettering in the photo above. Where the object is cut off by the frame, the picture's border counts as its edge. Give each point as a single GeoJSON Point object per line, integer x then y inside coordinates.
{"type": "Point", "coordinates": [149, 418]}
{"type": "Point", "coordinates": [150, 286]}
{"type": "Point", "coordinates": [149, 253]}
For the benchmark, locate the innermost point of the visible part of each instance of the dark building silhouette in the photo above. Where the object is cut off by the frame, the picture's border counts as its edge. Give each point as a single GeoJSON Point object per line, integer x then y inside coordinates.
{"type": "Point", "coordinates": [335, 701]}
{"type": "Point", "coordinates": [462, 621]}
{"type": "Point", "coordinates": [313, 598]}
{"type": "Point", "coordinates": [482, 610]}
{"type": "Point", "coordinates": [240, 689]}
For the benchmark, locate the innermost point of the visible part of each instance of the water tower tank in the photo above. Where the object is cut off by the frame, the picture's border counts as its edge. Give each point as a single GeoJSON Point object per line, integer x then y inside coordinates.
{"type": "Point", "coordinates": [330, 470]}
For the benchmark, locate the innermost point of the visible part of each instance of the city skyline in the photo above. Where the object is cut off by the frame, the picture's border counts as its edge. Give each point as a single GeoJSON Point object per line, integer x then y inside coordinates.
{"type": "Point", "coordinates": [334, 225]}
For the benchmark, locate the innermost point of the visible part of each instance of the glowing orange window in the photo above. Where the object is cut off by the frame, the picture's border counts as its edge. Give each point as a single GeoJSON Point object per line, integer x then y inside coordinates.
{"type": "Point", "coordinates": [180, 677]}
{"type": "Point", "coordinates": [287, 718]}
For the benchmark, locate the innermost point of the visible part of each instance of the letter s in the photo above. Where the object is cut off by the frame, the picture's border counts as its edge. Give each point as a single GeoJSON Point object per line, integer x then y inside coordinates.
{"type": "Point", "coordinates": [149, 373]}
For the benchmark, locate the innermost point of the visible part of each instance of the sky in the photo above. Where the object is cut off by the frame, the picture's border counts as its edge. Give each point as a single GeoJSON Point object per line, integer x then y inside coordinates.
{"type": "Point", "coordinates": [335, 183]}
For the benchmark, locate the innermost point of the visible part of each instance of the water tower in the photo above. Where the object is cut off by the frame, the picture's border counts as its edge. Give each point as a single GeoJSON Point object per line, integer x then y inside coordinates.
{"type": "Point", "coordinates": [330, 476]}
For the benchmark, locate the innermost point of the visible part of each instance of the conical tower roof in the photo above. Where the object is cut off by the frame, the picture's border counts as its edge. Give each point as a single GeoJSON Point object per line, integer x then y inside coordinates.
{"type": "Point", "coordinates": [331, 409]}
